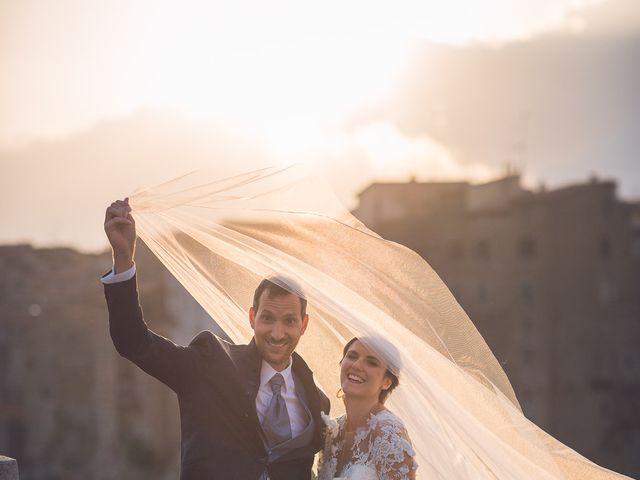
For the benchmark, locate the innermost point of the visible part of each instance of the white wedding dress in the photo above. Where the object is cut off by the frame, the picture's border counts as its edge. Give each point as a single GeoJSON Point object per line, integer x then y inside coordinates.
{"type": "Point", "coordinates": [381, 450]}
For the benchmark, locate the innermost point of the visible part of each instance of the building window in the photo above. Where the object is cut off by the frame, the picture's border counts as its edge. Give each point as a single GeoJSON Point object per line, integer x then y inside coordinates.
{"type": "Point", "coordinates": [607, 207]}
{"type": "Point", "coordinates": [456, 250]}
{"type": "Point", "coordinates": [483, 294]}
{"type": "Point", "coordinates": [526, 293]}
{"type": "Point", "coordinates": [627, 361]}
{"type": "Point", "coordinates": [528, 355]}
{"type": "Point", "coordinates": [483, 249]}
{"type": "Point", "coordinates": [16, 434]}
{"type": "Point", "coordinates": [527, 247]}
{"type": "Point", "coordinates": [604, 248]}
{"type": "Point", "coordinates": [635, 246]}
{"type": "Point", "coordinates": [605, 292]}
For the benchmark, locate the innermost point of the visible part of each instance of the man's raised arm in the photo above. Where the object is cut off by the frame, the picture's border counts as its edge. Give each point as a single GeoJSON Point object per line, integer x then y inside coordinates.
{"type": "Point", "coordinates": [156, 355]}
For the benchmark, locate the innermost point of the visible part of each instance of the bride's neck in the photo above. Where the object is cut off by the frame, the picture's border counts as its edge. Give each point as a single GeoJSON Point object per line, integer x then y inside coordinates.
{"type": "Point", "coordinates": [358, 410]}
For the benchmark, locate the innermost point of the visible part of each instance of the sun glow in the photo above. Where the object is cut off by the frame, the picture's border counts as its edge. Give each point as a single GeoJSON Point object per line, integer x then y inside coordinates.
{"type": "Point", "coordinates": [394, 156]}
{"type": "Point", "coordinates": [283, 66]}
{"type": "Point", "coordinates": [245, 62]}
{"type": "Point", "coordinates": [276, 77]}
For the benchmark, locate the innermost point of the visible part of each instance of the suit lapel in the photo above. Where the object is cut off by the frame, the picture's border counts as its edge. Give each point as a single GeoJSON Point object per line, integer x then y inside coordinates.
{"type": "Point", "coordinates": [312, 397]}
{"type": "Point", "coordinates": [248, 362]}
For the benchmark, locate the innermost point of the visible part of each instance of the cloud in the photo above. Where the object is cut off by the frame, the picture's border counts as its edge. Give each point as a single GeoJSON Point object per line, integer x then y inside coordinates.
{"type": "Point", "coordinates": [560, 106]}
{"type": "Point", "coordinates": [393, 155]}
{"type": "Point", "coordinates": [610, 18]}
{"type": "Point", "coordinates": [56, 191]}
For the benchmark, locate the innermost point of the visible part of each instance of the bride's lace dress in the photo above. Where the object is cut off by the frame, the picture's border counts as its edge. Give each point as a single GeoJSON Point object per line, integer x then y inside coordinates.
{"type": "Point", "coordinates": [381, 450]}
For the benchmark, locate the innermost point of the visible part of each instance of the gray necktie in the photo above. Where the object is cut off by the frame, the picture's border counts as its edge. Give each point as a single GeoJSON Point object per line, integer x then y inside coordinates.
{"type": "Point", "coordinates": [276, 424]}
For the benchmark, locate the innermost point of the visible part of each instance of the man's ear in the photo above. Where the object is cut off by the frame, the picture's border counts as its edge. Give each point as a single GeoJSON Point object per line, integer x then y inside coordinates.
{"type": "Point", "coordinates": [252, 318]}
{"type": "Point", "coordinates": [305, 322]}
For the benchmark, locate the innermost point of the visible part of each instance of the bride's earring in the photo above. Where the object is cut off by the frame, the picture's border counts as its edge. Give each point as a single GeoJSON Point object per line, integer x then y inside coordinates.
{"type": "Point", "coordinates": [339, 393]}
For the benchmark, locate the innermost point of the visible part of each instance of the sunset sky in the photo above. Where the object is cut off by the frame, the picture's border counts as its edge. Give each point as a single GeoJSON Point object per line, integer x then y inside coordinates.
{"type": "Point", "coordinates": [100, 98]}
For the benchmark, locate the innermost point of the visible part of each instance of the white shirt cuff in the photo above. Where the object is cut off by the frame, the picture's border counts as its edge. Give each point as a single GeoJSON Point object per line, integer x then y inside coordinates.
{"type": "Point", "coordinates": [119, 277]}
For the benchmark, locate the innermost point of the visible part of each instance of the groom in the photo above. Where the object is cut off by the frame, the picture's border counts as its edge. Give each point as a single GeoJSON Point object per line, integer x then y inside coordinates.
{"type": "Point", "coordinates": [247, 411]}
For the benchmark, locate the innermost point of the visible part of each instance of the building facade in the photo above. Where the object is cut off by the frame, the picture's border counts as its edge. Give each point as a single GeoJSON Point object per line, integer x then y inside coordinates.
{"type": "Point", "coordinates": [551, 279]}
{"type": "Point", "coordinates": [70, 407]}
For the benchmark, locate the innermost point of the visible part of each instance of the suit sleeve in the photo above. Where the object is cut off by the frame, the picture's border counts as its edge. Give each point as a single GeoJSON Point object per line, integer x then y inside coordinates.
{"type": "Point", "coordinates": [158, 356]}
{"type": "Point", "coordinates": [325, 404]}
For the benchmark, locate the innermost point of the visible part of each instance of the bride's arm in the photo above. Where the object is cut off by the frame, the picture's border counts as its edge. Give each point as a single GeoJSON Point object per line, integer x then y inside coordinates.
{"type": "Point", "coordinates": [392, 452]}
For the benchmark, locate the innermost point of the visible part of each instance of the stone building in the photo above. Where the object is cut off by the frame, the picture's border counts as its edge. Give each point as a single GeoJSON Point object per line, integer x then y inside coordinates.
{"type": "Point", "coordinates": [70, 407]}
{"type": "Point", "coordinates": [552, 281]}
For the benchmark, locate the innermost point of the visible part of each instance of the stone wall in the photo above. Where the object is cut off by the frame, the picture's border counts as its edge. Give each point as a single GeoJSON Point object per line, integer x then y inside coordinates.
{"type": "Point", "coordinates": [70, 407]}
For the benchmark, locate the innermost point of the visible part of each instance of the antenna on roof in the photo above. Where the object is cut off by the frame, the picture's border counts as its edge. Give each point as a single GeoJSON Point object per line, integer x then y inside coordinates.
{"type": "Point", "coordinates": [517, 144]}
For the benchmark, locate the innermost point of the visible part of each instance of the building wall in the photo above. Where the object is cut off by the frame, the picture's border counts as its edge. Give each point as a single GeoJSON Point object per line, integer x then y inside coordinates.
{"type": "Point", "coordinates": [551, 280]}
{"type": "Point", "coordinates": [70, 407]}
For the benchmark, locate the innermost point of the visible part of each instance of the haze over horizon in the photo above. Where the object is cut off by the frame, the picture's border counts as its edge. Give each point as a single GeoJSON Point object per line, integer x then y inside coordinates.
{"type": "Point", "coordinates": [97, 101]}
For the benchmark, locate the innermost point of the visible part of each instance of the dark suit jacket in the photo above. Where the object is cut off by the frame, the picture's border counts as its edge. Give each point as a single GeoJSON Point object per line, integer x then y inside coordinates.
{"type": "Point", "coordinates": [216, 383]}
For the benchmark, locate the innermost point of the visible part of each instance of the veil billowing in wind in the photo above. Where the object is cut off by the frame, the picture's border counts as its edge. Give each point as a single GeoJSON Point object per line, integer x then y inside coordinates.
{"type": "Point", "coordinates": [221, 237]}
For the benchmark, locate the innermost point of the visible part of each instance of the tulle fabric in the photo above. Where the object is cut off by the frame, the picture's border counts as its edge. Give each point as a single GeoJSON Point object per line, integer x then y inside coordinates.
{"type": "Point", "coordinates": [220, 237]}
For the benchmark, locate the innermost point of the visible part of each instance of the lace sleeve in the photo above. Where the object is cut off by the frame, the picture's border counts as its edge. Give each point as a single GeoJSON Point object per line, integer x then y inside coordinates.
{"type": "Point", "coordinates": [392, 451]}
{"type": "Point", "coordinates": [328, 458]}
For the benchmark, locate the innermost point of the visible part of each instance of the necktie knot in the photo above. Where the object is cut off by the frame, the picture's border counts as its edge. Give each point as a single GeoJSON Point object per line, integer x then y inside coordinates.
{"type": "Point", "coordinates": [276, 383]}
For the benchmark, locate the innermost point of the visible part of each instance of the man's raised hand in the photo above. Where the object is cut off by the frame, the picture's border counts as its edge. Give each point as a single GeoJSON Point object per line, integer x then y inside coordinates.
{"type": "Point", "coordinates": [121, 232]}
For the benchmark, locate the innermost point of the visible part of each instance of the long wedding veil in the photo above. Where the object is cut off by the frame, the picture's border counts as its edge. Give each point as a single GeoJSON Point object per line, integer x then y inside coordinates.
{"type": "Point", "coordinates": [219, 238]}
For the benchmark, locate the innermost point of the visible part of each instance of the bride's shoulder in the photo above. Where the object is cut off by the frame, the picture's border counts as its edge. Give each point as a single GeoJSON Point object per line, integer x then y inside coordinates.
{"type": "Point", "coordinates": [387, 423]}
{"type": "Point", "coordinates": [387, 417]}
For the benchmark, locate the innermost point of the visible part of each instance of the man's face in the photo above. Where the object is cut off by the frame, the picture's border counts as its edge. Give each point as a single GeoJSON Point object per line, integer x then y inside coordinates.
{"type": "Point", "coordinates": [277, 326]}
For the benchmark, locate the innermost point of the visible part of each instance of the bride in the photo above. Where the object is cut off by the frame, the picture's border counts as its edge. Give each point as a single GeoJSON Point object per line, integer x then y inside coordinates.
{"type": "Point", "coordinates": [368, 442]}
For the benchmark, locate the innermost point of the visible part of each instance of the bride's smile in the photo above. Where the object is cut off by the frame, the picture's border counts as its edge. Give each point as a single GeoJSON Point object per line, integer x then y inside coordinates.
{"type": "Point", "coordinates": [362, 373]}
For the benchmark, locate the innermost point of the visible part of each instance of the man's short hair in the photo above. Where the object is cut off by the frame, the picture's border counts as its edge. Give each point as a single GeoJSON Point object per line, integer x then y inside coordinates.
{"type": "Point", "coordinates": [280, 285]}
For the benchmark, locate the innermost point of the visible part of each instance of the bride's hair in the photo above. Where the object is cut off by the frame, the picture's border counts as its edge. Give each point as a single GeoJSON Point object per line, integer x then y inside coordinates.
{"type": "Point", "coordinates": [394, 378]}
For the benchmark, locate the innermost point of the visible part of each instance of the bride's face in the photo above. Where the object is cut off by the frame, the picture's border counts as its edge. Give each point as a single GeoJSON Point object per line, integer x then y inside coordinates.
{"type": "Point", "coordinates": [362, 373]}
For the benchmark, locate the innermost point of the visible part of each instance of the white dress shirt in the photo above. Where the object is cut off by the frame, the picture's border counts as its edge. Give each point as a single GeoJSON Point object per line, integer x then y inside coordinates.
{"type": "Point", "coordinates": [119, 277]}
{"type": "Point", "coordinates": [297, 414]}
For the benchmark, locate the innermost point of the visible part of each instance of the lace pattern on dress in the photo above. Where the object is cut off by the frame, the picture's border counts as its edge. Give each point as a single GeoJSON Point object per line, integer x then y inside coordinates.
{"type": "Point", "coordinates": [382, 444]}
